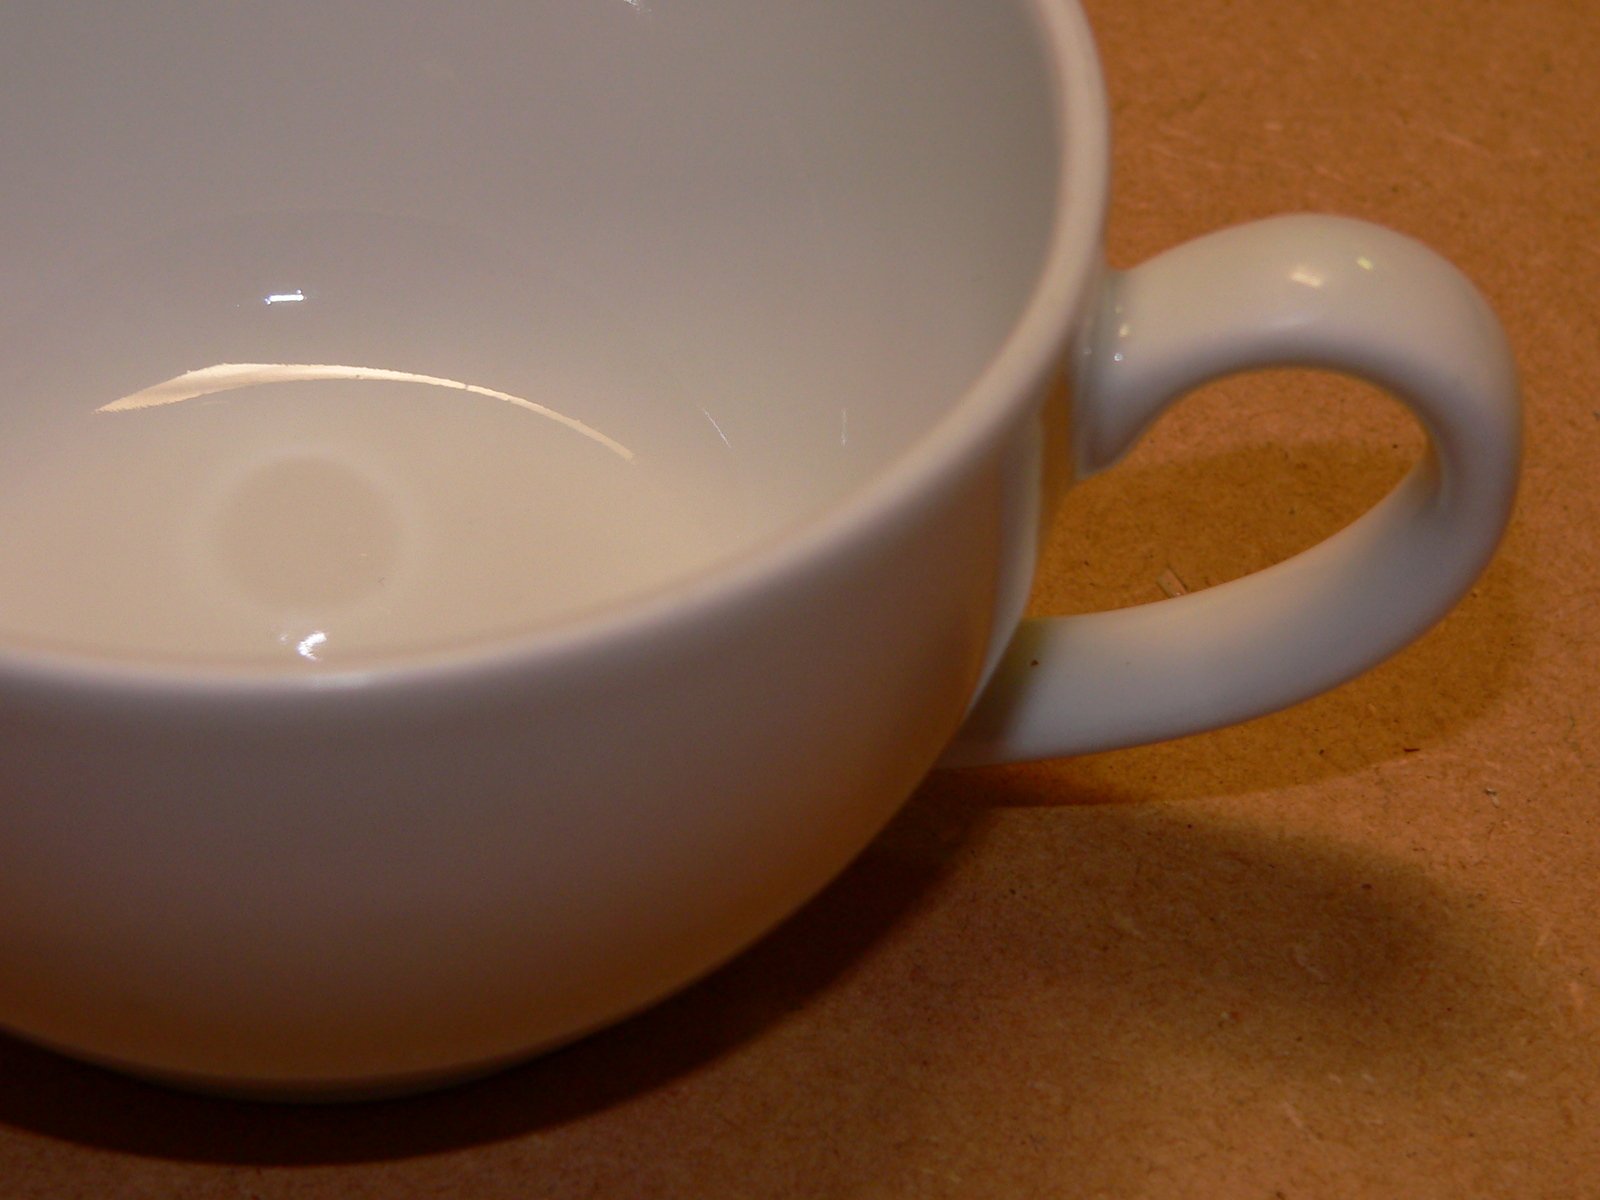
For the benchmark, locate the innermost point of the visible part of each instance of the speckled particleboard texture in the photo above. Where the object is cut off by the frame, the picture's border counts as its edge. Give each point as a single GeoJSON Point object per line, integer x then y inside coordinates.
{"type": "Point", "coordinates": [1352, 950]}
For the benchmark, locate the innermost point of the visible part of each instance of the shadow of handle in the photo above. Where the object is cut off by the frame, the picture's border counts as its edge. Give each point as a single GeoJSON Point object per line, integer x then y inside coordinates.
{"type": "Point", "coordinates": [1299, 291]}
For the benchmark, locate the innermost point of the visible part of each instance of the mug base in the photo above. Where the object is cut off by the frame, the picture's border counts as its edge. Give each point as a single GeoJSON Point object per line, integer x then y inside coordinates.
{"type": "Point", "coordinates": [333, 1091]}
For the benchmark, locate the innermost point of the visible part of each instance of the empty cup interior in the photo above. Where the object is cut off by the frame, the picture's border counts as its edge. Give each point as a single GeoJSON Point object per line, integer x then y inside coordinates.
{"type": "Point", "coordinates": [333, 330]}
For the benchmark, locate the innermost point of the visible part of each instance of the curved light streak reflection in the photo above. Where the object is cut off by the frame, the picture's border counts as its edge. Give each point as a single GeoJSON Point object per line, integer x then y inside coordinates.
{"type": "Point", "coordinates": [226, 377]}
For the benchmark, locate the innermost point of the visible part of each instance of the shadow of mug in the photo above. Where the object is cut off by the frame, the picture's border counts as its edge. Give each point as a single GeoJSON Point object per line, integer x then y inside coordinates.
{"type": "Point", "coordinates": [1144, 932]}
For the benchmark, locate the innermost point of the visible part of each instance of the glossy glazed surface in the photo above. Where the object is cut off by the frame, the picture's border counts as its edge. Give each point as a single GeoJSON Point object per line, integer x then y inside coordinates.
{"type": "Point", "coordinates": [831, 275]}
{"type": "Point", "coordinates": [258, 838]}
{"type": "Point", "coordinates": [534, 309]}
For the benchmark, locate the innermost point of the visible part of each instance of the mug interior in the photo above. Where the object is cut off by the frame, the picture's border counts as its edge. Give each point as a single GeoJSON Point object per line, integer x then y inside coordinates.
{"type": "Point", "coordinates": [334, 331]}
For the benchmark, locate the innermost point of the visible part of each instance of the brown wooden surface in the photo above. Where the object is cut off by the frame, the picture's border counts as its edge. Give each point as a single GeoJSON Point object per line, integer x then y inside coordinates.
{"type": "Point", "coordinates": [1351, 950]}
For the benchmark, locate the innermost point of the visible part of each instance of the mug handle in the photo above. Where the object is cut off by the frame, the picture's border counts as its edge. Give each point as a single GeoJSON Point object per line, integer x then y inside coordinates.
{"type": "Point", "coordinates": [1288, 291]}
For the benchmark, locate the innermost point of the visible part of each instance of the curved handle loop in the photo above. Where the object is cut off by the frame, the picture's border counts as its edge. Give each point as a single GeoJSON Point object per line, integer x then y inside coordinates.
{"type": "Point", "coordinates": [1290, 291]}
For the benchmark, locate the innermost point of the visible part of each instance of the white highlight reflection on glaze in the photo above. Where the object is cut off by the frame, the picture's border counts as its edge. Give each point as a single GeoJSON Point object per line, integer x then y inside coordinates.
{"type": "Point", "coordinates": [224, 377]}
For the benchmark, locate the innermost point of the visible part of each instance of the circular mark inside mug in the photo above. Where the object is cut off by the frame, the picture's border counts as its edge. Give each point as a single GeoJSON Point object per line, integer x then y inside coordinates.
{"type": "Point", "coordinates": [308, 531]}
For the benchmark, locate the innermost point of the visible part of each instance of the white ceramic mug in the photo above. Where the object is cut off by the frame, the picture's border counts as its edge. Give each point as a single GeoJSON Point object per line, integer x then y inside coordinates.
{"type": "Point", "coordinates": [501, 502]}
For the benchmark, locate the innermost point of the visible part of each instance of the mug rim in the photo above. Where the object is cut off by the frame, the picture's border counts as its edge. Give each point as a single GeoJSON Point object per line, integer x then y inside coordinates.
{"type": "Point", "coordinates": [1021, 365]}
